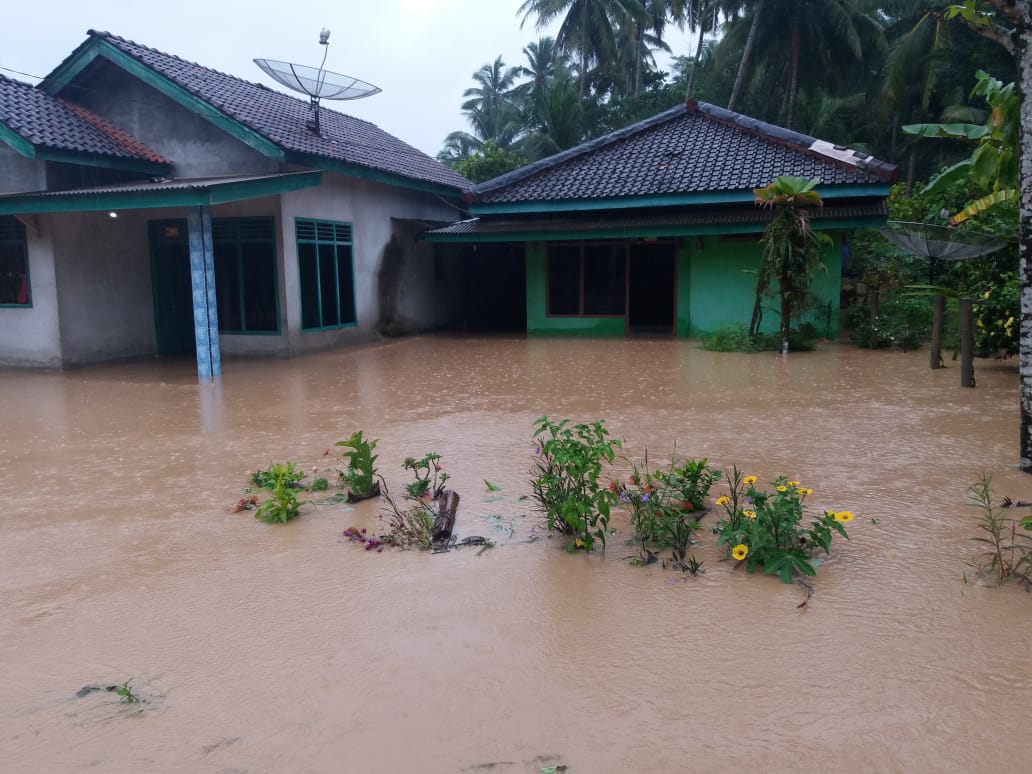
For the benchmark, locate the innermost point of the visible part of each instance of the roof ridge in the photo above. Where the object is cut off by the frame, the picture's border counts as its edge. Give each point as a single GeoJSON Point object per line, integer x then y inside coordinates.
{"type": "Point", "coordinates": [578, 150]}
{"type": "Point", "coordinates": [102, 34]}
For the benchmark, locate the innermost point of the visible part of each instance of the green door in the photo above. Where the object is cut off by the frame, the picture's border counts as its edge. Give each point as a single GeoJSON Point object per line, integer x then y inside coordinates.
{"type": "Point", "coordinates": [173, 293]}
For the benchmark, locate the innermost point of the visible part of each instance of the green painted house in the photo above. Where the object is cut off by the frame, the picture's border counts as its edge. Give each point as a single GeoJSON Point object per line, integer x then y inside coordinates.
{"type": "Point", "coordinates": [654, 228]}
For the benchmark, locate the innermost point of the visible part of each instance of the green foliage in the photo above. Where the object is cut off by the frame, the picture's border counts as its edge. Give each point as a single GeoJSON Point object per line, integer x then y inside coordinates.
{"type": "Point", "coordinates": [902, 321]}
{"type": "Point", "coordinates": [408, 527]}
{"type": "Point", "coordinates": [319, 485]}
{"type": "Point", "coordinates": [125, 693]}
{"type": "Point", "coordinates": [801, 339]}
{"type": "Point", "coordinates": [1007, 553]}
{"type": "Point", "coordinates": [997, 314]}
{"type": "Point", "coordinates": [765, 528]}
{"type": "Point", "coordinates": [662, 506]}
{"type": "Point", "coordinates": [360, 474]}
{"type": "Point", "coordinates": [565, 479]}
{"type": "Point", "coordinates": [487, 162]}
{"type": "Point", "coordinates": [282, 505]}
{"type": "Point", "coordinates": [287, 475]}
{"type": "Point", "coordinates": [430, 479]}
{"type": "Point", "coordinates": [730, 338]}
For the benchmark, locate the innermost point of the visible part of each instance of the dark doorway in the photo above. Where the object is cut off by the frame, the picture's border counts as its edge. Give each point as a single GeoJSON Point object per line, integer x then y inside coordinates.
{"type": "Point", "coordinates": [172, 287]}
{"type": "Point", "coordinates": [496, 288]}
{"type": "Point", "coordinates": [652, 288]}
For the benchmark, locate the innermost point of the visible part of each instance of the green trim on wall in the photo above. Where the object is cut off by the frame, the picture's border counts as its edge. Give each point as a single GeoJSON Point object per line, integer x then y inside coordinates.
{"type": "Point", "coordinates": [209, 194]}
{"type": "Point", "coordinates": [61, 77]}
{"type": "Point", "coordinates": [669, 200]}
{"type": "Point", "coordinates": [617, 232]}
{"type": "Point", "coordinates": [366, 173]}
{"type": "Point", "coordinates": [19, 144]}
{"type": "Point", "coordinates": [144, 167]}
{"type": "Point", "coordinates": [684, 291]}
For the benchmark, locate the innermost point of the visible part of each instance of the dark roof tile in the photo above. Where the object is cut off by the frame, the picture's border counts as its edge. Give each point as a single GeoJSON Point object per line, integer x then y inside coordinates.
{"type": "Point", "coordinates": [283, 119]}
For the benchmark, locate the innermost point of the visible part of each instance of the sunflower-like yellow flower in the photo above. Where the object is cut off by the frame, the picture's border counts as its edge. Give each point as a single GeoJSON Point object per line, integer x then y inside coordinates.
{"type": "Point", "coordinates": [749, 480]}
{"type": "Point", "coordinates": [724, 500]}
{"type": "Point", "coordinates": [844, 517]}
{"type": "Point", "coordinates": [740, 551]}
{"type": "Point", "coordinates": [794, 483]}
{"type": "Point", "coordinates": [749, 514]}
{"type": "Point", "coordinates": [782, 488]}
{"type": "Point", "coordinates": [986, 294]}
{"type": "Point", "coordinates": [804, 490]}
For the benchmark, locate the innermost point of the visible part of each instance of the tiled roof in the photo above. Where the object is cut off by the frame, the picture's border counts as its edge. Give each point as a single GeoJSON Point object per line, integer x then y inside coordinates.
{"type": "Point", "coordinates": [283, 119]}
{"type": "Point", "coordinates": [46, 122]}
{"type": "Point", "coordinates": [159, 184]}
{"type": "Point", "coordinates": [695, 148]}
{"type": "Point", "coordinates": [632, 221]}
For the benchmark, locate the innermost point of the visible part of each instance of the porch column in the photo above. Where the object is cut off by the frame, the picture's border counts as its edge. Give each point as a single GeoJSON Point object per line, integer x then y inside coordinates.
{"type": "Point", "coordinates": [202, 276]}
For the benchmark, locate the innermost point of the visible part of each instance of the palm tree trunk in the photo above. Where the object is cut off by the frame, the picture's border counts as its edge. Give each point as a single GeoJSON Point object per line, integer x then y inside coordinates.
{"type": "Point", "coordinates": [746, 54]}
{"type": "Point", "coordinates": [793, 78]}
{"type": "Point", "coordinates": [637, 59]}
{"type": "Point", "coordinates": [695, 64]}
{"type": "Point", "coordinates": [1024, 55]}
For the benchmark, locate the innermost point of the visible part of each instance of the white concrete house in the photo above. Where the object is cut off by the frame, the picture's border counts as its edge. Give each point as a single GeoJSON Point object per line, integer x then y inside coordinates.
{"type": "Point", "coordinates": [152, 206]}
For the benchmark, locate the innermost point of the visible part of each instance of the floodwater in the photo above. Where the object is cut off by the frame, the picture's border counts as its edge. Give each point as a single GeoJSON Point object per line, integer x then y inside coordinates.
{"type": "Point", "coordinates": [285, 648]}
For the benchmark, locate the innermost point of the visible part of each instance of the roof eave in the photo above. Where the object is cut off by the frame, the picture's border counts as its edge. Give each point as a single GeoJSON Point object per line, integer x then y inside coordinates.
{"type": "Point", "coordinates": [368, 173]}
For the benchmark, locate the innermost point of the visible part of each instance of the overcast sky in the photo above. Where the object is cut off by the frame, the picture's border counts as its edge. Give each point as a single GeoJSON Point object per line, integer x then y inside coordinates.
{"type": "Point", "coordinates": [420, 52]}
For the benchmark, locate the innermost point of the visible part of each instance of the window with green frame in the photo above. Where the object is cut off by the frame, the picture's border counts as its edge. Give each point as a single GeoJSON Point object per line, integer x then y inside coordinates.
{"type": "Point", "coordinates": [587, 280]}
{"type": "Point", "coordinates": [327, 274]}
{"type": "Point", "coordinates": [14, 263]}
{"type": "Point", "coordinates": [245, 274]}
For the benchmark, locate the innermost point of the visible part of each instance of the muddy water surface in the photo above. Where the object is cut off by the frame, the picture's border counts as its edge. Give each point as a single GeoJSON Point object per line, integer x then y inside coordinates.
{"type": "Point", "coordinates": [284, 648]}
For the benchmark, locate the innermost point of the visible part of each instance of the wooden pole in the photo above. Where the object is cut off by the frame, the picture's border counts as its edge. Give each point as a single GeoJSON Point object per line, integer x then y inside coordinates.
{"type": "Point", "coordinates": [967, 342]}
{"type": "Point", "coordinates": [938, 312]}
{"type": "Point", "coordinates": [444, 523]}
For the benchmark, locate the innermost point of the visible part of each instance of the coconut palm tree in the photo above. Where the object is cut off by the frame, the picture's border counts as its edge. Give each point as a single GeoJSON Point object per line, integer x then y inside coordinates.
{"type": "Point", "coordinates": [588, 27]}
{"type": "Point", "coordinates": [489, 106]}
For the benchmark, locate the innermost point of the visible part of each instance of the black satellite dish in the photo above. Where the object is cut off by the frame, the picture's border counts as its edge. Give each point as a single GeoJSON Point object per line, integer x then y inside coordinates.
{"type": "Point", "coordinates": [317, 83]}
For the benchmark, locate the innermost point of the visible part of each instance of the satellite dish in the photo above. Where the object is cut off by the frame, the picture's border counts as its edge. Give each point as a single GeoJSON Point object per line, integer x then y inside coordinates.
{"type": "Point", "coordinates": [317, 83]}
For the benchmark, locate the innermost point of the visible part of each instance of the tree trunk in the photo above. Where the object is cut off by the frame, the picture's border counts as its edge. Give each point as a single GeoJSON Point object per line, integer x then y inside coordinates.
{"type": "Point", "coordinates": [796, 55]}
{"type": "Point", "coordinates": [786, 309]}
{"type": "Point", "coordinates": [938, 312]}
{"type": "Point", "coordinates": [444, 522]}
{"type": "Point", "coordinates": [967, 342]}
{"type": "Point", "coordinates": [695, 64]}
{"type": "Point", "coordinates": [746, 54]}
{"type": "Point", "coordinates": [873, 307]}
{"type": "Point", "coordinates": [911, 171]}
{"type": "Point", "coordinates": [637, 59]}
{"type": "Point", "coordinates": [1024, 54]}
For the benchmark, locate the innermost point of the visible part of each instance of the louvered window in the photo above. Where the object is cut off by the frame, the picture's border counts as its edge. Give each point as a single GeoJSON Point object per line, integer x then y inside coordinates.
{"type": "Point", "coordinates": [327, 276]}
{"type": "Point", "coordinates": [245, 274]}
{"type": "Point", "coordinates": [14, 263]}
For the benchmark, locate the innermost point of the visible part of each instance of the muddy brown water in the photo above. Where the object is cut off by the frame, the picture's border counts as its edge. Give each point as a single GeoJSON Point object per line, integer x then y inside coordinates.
{"type": "Point", "coordinates": [284, 648]}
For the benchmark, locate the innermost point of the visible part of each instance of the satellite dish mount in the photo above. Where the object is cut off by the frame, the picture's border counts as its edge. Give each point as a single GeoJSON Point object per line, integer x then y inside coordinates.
{"type": "Point", "coordinates": [318, 83]}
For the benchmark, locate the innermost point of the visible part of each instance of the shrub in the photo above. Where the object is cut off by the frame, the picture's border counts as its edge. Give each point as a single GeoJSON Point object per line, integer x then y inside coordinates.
{"type": "Point", "coordinates": [360, 474]}
{"type": "Point", "coordinates": [730, 338]}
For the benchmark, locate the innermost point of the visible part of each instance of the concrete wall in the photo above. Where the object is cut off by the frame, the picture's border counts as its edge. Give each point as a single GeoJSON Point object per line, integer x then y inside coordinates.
{"type": "Point", "coordinates": [103, 286]}
{"type": "Point", "coordinates": [538, 320]}
{"type": "Point", "coordinates": [30, 336]}
{"type": "Point", "coordinates": [197, 147]}
{"type": "Point", "coordinates": [18, 174]}
{"type": "Point", "coordinates": [421, 301]}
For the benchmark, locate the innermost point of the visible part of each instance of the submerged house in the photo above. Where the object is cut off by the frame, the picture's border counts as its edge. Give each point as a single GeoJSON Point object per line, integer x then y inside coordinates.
{"type": "Point", "coordinates": [653, 228]}
{"type": "Point", "coordinates": [150, 205]}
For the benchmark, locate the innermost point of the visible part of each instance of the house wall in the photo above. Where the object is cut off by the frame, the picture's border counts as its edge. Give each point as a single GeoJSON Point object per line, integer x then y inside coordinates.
{"type": "Point", "coordinates": [103, 286]}
{"type": "Point", "coordinates": [18, 174]}
{"type": "Point", "coordinates": [30, 336]}
{"type": "Point", "coordinates": [722, 286]}
{"type": "Point", "coordinates": [197, 147]}
{"type": "Point", "coordinates": [418, 301]}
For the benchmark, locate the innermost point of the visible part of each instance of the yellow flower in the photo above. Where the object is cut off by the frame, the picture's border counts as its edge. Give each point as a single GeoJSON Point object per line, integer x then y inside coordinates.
{"type": "Point", "coordinates": [749, 514]}
{"type": "Point", "coordinates": [749, 480]}
{"type": "Point", "coordinates": [782, 488]}
{"type": "Point", "coordinates": [740, 551]}
{"type": "Point", "coordinates": [1010, 322]}
{"type": "Point", "coordinates": [844, 517]}
{"type": "Point", "coordinates": [794, 483]}
{"type": "Point", "coordinates": [979, 323]}
{"type": "Point", "coordinates": [804, 490]}
{"type": "Point", "coordinates": [578, 543]}
{"type": "Point", "coordinates": [723, 500]}
{"type": "Point", "coordinates": [986, 294]}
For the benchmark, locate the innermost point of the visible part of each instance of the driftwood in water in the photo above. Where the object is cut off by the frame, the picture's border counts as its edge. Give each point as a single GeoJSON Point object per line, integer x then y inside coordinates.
{"type": "Point", "coordinates": [447, 503]}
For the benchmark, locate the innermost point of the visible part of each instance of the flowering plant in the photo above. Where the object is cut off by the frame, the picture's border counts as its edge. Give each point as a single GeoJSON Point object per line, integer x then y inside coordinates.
{"type": "Point", "coordinates": [664, 504]}
{"type": "Point", "coordinates": [429, 476]}
{"type": "Point", "coordinates": [565, 479]}
{"type": "Point", "coordinates": [766, 530]}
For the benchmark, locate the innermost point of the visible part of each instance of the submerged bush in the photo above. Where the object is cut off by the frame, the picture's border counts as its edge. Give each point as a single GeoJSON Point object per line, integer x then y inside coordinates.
{"type": "Point", "coordinates": [730, 338]}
